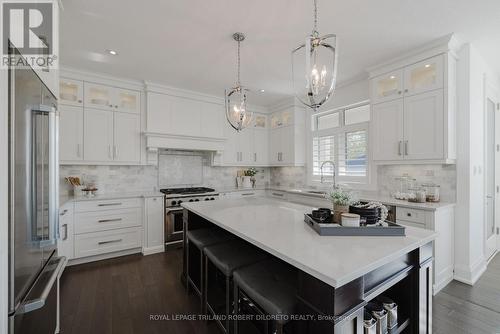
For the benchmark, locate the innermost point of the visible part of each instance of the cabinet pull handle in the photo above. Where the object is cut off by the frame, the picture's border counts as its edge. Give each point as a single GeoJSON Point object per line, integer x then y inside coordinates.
{"type": "Point", "coordinates": [406, 147]}
{"type": "Point", "coordinates": [116, 106]}
{"type": "Point", "coordinates": [109, 241]}
{"type": "Point", "coordinates": [255, 157]}
{"type": "Point", "coordinates": [78, 150]}
{"type": "Point", "coordinates": [64, 212]}
{"type": "Point", "coordinates": [399, 147]}
{"type": "Point", "coordinates": [109, 204]}
{"type": "Point", "coordinates": [277, 194]}
{"type": "Point", "coordinates": [408, 214]}
{"type": "Point", "coordinates": [406, 90]}
{"type": "Point", "coordinates": [115, 151]}
{"type": "Point", "coordinates": [65, 226]}
{"type": "Point", "coordinates": [247, 194]}
{"type": "Point", "coordinates": [79, 101]}
{"type": "Point", "coordinates": [399, 92]}
{"type": "Point", "coordinates": [109, 152]}
{"type": "Point", "coordinates": [109, 220]}
{"type": "Point", "coordinates": [111, 105]}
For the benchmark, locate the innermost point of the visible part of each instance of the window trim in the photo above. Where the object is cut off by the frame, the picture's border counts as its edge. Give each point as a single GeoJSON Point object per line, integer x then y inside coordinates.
{"type": "Point", "coordinates": [369, 181]}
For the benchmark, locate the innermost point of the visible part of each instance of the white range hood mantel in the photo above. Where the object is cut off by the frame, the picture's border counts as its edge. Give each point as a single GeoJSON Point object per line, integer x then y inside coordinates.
{"type": "Point", "coordinates": [155, 141]}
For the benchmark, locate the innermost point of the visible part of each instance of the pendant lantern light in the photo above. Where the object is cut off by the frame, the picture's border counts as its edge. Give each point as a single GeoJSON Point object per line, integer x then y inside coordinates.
{"type": "Point", "coordinates": [314, 67]}
{"type": "Point", "coordinates": [237, 113]}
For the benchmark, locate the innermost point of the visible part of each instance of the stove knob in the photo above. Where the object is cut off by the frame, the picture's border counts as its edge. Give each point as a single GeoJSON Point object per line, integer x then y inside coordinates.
{"type": "Point", "coordinates": [191, 200]}
{"type": "Point", "coordinates": [173, 202]}
{"type": "Point", "coordinates": [197, 200]}
{"type": "Point", "coordinates": [207, 199]}
{"type": "Point", "coordinates": [212, 199]}
{"type": "Point", "coordinates": [179, 202]}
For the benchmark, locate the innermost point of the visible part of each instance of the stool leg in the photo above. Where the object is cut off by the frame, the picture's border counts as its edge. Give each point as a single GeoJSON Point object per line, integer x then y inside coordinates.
{"type": "Point", "coordinates": [279, 329]}
{"type": "Point", "coordinates": [187, 266]}
{"type": "Point", "coordinates": [203, 283]}
{"type": "Point", "coordinates": [228, 305]}
{"type": "Point", "coordinates": [236, 307]}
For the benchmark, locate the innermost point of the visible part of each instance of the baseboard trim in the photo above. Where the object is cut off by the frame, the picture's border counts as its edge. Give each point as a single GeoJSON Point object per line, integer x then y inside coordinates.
{"type": "Point", "coordinates": [94, 258]}
{"type": "Point", "coordinates": [470, 275]}
{"type": "Point", "coordinates": [442, 280]}
{"type": "Point", "coordinates": [153, 250]}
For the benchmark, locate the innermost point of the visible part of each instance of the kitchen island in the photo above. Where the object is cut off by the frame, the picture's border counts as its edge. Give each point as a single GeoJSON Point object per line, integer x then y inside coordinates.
{"type": "Point", "coordinates": [337, 275]}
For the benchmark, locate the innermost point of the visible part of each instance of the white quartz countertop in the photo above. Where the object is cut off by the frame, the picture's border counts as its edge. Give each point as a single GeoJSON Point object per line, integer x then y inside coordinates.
{"type": "Point", "coordinates": [278, 227]}
{"type": "Point", "coordinates": [104, 196]}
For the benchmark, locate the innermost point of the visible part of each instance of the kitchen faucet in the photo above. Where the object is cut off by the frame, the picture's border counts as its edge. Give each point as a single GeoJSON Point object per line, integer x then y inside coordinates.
{"type": "Point", "coordinates": [333, 175]}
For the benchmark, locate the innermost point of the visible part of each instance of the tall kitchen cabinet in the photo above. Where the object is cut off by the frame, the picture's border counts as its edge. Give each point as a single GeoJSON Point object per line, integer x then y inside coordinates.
{"type": "Point", "coordinates": [99, 124]}
{"type": "Point", "coordinates": [413, 111]}
{"type": "Point", "coordinates": [287, 136]}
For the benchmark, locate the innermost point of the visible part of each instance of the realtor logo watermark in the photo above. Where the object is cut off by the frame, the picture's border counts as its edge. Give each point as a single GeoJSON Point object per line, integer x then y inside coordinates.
{"type": "Point", "coordinates": [30, 27]}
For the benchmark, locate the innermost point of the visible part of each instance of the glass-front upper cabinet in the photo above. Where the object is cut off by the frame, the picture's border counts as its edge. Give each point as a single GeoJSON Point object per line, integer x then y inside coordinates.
{"type": "Point", "coordinates": [127, 101]}
{"type": "Point", "coordinates": [387, 86]}
{"type": "Point", "coordinates": [98, 96]}
{"type": "Point", "coordinates": [260, 121]}
{"type": "Point", "coordinates": [281, 118]}
{"type": "Point", "coordinates": [70, 92]}
{"type": "Point", "coordinates": [424, 76]}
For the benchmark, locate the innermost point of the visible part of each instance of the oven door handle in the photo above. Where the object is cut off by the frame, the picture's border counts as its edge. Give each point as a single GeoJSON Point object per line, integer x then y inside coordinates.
{"type": "Point", "coordinates": [171, 210]}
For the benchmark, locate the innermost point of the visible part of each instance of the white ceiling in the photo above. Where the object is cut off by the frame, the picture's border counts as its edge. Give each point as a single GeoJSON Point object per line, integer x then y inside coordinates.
{"type": "Point", "coordinates": [188, 44]}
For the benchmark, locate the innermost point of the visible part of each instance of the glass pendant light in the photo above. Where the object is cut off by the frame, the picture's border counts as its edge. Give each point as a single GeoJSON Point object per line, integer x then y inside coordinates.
{"type": "Point", "coordinates": [237, 113]}
{"type": "Point", "coordinates": [316, 62]}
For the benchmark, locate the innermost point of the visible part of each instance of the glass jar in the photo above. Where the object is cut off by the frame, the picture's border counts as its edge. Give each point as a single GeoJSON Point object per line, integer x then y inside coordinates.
{"type": "Point", "coordinates": [406, 184]}
{"type": "Point", "coordinates": [432, 191]}
{"type": "Point", "coordinates": [417, 195]}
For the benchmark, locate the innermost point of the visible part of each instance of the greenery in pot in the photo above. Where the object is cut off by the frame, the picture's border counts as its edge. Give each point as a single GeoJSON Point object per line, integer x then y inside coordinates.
{"type": "Point", "coordinates": [251, 172]}
{"type": "Point", "coordinates": [340, 197]}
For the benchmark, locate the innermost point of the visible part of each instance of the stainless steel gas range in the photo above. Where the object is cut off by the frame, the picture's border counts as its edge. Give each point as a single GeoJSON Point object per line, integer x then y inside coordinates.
{"type": "Point", "coordinates": [173, 210]}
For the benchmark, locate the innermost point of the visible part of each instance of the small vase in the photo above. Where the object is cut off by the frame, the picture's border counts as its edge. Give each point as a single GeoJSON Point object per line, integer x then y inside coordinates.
{"type": "Point", "coordinates": [247, 182]}
{"type": "Point", "coordinates": [338, 210]}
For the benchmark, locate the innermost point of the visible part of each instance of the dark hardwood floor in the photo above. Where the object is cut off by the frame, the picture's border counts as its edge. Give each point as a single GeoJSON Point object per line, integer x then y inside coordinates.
{"type": "Point", "coordinates": [120, 295]}
{"type": "Point", "coordinates": [460, 308]}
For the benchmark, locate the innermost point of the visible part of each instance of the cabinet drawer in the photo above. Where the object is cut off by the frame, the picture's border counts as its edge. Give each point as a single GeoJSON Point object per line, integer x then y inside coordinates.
{"type": "Point", "coordinates": [411, 224]}
{"type": "Point", "coordinates": [102, 205]}
{"type": "Point", "coordinates": [96, 243]}
{"type": "Point", "coordinates": [86, 222]}
{"type": "Point", "coordinates": [277, 194]}
{"type": "Point", "coordinates": [411, 215]}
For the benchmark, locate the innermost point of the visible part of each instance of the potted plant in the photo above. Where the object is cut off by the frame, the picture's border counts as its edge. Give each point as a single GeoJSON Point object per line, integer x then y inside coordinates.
{"type": "Point", "coordinates": [249, 178]}
{"type": "Point", "coordinates": [341, 199]}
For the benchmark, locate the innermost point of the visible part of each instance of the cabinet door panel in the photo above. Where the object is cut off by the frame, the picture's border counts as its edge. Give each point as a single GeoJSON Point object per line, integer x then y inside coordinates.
{"type": "Point", "coordinates": [424, 126]}
{"type": "Point", "coordinates": [287, 141]}
{"type": "Point", "coordinates": [70, 92]}
{"type": "Point", "coordinates": [387, 130]}
{"type": "Point", "coordinates": [230, 154]}
{"type": "Point", "coordinates": [387, 87]}
{"type": "Point", "coordinates": [274, 146]}
{"type": "Point", "coordinates": [98, 96]}
{"type": "Point", "coordinates": [185, 117]}
{"type": "Point", "coordinates": [127, 137]}
{"type": "Point", "coordinates": [159, 113]}
{"type": "Point", "coordinates": [261, 147]}
{"type": "Point", "coordinates": [424, 76]}
{"type": "Point", "coordinates": [212, 120]}
{"type": "Point", "coordinates": [154, 223]}
{"type": "Point", "coordinates": [245, 146]}
{"type": "Point", "coordinates": [98, 135]}
{"type": "Point", "coordinates": [126, 100]}
{"type": "Point", "coordinates": [71, 133]}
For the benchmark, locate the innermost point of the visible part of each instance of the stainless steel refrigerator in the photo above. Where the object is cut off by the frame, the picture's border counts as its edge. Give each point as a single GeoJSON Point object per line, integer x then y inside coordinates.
{"type": "Point", "coordinates": [33, 204]}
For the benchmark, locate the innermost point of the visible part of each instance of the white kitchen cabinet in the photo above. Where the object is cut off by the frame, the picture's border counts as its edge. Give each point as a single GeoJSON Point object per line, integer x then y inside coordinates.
{"type": "Point", "coordinates": [126, 100]}
{"type": "Point", "coordinates": [424, 126]}
{"type": "Point", "coordinates": [417, 124]}
{"type": "Point", "coordinates": [98, 135]}
{"type": "Point", "coordinates": [154, 231]}
{"type": "Point", "coordinates": [424, 76]}
{"type": "Point", "coordinates": [260, 147]}
{"type": "Point", "coordinates": [98, 96]}
{"type": "Point", "coordinates": [127, 137]}
{"type": "Point", "coordinates": [111, 98]}
{"type": "Point", "coordinates": [71, 133]}
{"type": "Point", "coordinates": [440, 221]}
{"type": "Point", "coordinates": [284, 149]}
{"type": "Point", "coordinates": [70, 92]}
{"type": "Point", "coordinates": [387, 130]}
{"type": "Point", "coordinates": [387, 87]}
{"type": "Point", "coordinates": [65, 243]}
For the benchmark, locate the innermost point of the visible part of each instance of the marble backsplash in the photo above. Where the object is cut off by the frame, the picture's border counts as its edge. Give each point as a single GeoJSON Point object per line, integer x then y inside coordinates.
{"type": "Point", "coordinates": [444, 175]}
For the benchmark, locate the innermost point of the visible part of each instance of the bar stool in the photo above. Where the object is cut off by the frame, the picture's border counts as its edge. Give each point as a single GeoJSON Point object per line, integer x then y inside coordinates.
{"type": "Point", "coordinates": [265, 291]}
{"type": "Point", "coordinates": [220, 262]}
{"type": "Point", "coordinates": [197, 240]}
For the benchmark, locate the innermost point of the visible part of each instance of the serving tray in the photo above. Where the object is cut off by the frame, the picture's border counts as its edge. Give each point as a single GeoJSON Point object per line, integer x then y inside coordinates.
{"type": "Point", "coordinates": [392, 230]}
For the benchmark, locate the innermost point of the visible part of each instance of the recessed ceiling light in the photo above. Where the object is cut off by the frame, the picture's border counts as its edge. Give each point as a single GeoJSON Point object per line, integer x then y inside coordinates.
{"type": "Point", "coordinates": [262, 90]}
{"type": "Point", "coordinates": [427, 65]}
{"type": "Point", "coordinates": [112, 52]}
{"type": "Point", "coordinates": [392, 77]}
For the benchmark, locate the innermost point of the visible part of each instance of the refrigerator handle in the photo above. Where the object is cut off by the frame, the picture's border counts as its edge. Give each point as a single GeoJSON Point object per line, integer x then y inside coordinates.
{"type": "Point", "coordinates": [53, 175]}
{"type": "Point", "coordinates": [36, 302]}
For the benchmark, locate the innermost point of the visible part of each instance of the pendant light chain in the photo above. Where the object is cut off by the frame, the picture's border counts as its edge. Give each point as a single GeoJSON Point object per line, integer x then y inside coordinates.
{"type": "Point", "coordinates": [238, 82]}
{"type": "Point", "coordinates": [315, 30]}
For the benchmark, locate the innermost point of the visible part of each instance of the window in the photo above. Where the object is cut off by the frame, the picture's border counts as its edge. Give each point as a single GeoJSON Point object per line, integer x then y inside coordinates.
{"type": "Point", "coordinates": [341, 136]}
